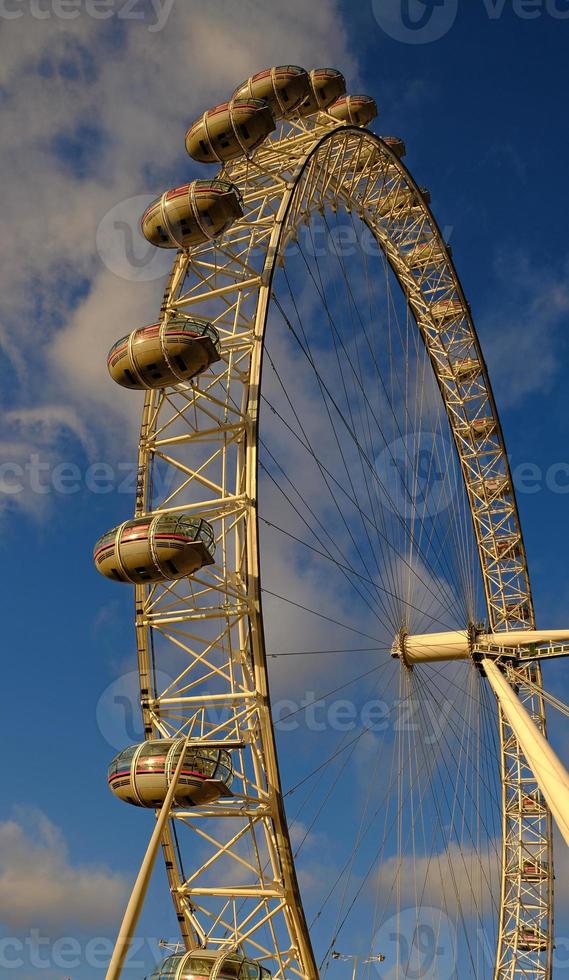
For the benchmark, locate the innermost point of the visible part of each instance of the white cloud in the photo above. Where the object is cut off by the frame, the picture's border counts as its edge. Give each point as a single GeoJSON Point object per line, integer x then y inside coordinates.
{"type": "Point", "coordinates": [40, 885]}
{"type": "Point", "coordinates": [459, 875]}
{"type": "Point", "coordinates": [38, 443]}
{"type": "Point", "coordinates": [93, 121]}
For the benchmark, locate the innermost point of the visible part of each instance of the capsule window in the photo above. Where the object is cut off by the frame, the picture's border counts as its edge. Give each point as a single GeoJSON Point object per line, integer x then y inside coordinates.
{"type": "Point", "coordinates": [171, 567]}
{"type": "Point", "coordinates": [201, 967]}
{"type": "Point", "coordinates": [249, 971]}
{"type": "Point", "coordinates": [150, 767]}
{"type": "Point", "coordinates": [168, 969]}
{"type": "Point", "coordinates": [180, 362]}
{"type": "Point", "coordinates": [157, 748]}
{"type": "Point", "coordinates": [244, 131]}
{"type": "Point", "coordinates": [122, 762]}
{"type": "Point", "coordinates": [231, 967]}
{"type": "Point", "coordinates": [203, 147]}
{"type": "Point", "coordinates": [129, 376]}
{"type": "Point", "coordinates": [207, 767]}
{"type": "Point", "coordinates": [142, 572]}
{"type": "Point", "coordinates": [167, 522]}
{"type": "Point", "coordinates": [106, 540]}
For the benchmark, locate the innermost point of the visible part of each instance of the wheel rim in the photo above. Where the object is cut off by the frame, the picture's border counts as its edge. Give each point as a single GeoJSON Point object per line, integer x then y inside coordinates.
{"type": "Point", "coordinates": [316, 159]}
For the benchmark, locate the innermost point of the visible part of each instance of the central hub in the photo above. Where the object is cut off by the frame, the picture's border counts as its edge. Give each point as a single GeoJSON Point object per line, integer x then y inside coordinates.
{"type": "Point", "coordinates": [422, 648]}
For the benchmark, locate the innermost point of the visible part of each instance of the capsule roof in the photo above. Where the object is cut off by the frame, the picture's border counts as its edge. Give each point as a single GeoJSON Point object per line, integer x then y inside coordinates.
{"type": "Point", "coordinates": [201, 962]}
{"type": "Point", "coordinates": [356, 110]}
{"type": "Point", "coordinates": [155, 548]}
{"type": "Point", "coordinates": [284, 87]}
{"type": "Point", "coordinates": [396, 145]}
{"type": "Point", "coordinates": [141, 774]}
{"type": "Point", "coordinates": [165, 353]}
{"type": "Point", "coordinates": [326, 85]}
{"type": "Point", "coordinates": [192, 213]}
{"type": "Point", "coordinates": [229, 130]}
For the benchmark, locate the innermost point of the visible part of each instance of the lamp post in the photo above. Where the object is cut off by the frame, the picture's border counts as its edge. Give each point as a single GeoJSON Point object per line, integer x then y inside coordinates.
{"type": "Point", "coordinates": [356, 959]}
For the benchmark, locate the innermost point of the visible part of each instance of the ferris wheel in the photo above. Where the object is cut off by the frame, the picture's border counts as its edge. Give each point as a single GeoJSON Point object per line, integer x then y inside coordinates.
{"type": "Point", "coordinates": [317, 405]}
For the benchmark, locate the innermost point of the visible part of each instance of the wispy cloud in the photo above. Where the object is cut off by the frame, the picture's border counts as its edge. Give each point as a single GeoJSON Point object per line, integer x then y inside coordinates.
{"type": "Point", "coordinates": [522, 326]}
{"type": "Point", "coordinates": [41, 887]}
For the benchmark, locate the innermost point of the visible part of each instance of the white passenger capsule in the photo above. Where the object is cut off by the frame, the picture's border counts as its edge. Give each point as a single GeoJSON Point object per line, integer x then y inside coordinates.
{"type": "Point", "coordinates": [142, 774]}
{"type": "Point", "coordinates": [165, 353]}
{"type": "Point", "coordinates": [356, 110]}
{"type": "Point", "coordinates": [232, 129]}
{"type": "Point", "coordinates": [493, 488]}
{"type": "Point", "coordinates": [531, 939]}
{"type": "Point", "coordinates": [327, 85]}
{"type": "Point", "coordinates": [192, 214]}
{"type": "Point", "coordinates": [533, 803]}
{"type": "Point", "coordinates": [534, 870]}
{"type": "Point", "coordinates": [284, 88]}
{"type": "Point", "coordinates": [396, 145]}
{"type": "Point", "coordinates": [155, 548]}
{"type": "Point", "coordinates": [201, 964]}
{"type": "Point", "coordinates": [480, 428]}
{"type": "Point", "coordinates": [507, 548]}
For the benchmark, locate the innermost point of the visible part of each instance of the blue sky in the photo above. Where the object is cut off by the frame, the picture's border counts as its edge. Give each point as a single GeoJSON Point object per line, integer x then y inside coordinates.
{"type": "Point", "coordinates": [95, 114]}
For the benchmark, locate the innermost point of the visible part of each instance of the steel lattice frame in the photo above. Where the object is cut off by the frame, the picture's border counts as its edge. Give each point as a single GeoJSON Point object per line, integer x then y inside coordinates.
{"type": "Point", "coordinates": [205, 436]}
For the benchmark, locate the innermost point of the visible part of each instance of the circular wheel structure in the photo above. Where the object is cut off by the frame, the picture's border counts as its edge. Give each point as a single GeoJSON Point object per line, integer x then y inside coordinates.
{"type": "Point", "coordinates": [343, 426]}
